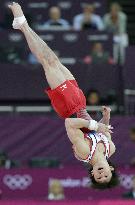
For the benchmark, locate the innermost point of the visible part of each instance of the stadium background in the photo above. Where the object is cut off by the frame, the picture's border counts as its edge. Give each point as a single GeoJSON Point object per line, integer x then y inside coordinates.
{"type": "Point", "coordinates": [34, 149]}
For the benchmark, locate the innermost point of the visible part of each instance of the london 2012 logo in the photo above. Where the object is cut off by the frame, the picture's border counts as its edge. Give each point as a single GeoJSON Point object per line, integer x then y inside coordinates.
{"type": "Point", "coordinates": [17, 181]}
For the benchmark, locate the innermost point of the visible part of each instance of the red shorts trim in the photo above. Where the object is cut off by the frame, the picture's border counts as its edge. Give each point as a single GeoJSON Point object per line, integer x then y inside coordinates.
{"type": "Point", "coordinates": [67, 98]}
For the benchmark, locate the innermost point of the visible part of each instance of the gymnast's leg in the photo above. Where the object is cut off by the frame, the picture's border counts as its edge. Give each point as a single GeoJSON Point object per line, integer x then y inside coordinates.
{"type": "Point", "coordinates": [55, 72]}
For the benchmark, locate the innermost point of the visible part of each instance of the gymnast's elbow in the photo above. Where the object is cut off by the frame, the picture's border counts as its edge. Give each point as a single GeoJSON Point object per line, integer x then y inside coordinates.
{"type": "Point", "coordinates": [68, 122]}
{"type": "Point", "coordinates": [113, 148]}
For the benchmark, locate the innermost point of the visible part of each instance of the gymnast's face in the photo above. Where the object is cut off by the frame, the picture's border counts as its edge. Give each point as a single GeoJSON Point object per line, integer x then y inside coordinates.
{"type": "Point", "coordinates": [102, 172]}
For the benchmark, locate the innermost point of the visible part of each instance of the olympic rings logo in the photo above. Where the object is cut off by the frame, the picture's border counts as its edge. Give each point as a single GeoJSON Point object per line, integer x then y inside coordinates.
{"type": "Point", "coordinates": [17, 181]}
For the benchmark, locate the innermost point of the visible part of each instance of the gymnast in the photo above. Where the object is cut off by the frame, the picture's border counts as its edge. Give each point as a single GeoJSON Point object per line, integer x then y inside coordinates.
{"type": "Point", "coordinates": [91, 140]}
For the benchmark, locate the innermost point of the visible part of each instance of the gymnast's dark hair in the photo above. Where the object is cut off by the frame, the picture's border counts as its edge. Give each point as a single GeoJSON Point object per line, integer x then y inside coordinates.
{"type": "Point", "coordinates": [112, 183]}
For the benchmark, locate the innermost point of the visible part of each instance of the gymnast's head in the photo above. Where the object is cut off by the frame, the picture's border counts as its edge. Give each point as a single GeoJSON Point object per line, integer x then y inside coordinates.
{"type": "Point", "coordinates": [103, 175]}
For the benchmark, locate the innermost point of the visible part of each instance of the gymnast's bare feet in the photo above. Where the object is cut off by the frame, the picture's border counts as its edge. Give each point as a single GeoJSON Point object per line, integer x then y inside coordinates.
{"type": "Point", "coordinates": [16, 9]}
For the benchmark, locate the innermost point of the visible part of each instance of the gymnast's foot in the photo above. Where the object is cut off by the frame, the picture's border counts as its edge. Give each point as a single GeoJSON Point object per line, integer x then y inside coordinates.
{"type": "Point", "coordinates": [16, 9]}
{"type": "Point", "coordinates": [19, 17]}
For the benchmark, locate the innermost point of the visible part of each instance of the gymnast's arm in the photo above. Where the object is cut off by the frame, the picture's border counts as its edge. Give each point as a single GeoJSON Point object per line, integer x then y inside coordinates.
{"type": "Point", "coordinates": [106, 115]}
{"type": "Point", "coordinates": [106, 119]}
{"type": "Point", "coordinates": [73, 126]}
{"type": "Point", "coordinates": [75, 135]}
{"type": "Point", "coordinates": [78, 123]}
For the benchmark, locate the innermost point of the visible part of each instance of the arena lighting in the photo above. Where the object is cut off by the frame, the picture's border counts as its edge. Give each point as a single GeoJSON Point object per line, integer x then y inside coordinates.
{"type": "Point", "coordinates": [6, 109]}
{"type": "Point", "coordinates": [33, 108]}
{"type": "Point", "coordinates": [49, 108]}
{"type": "Point", "coordinates": [30, 109]}
{"type": "Point", "coordinates": [129, 101]}
{"type": "Point", "coordinates": [98, 108]}
{"type": "Point", "coordinates": [129, 92]}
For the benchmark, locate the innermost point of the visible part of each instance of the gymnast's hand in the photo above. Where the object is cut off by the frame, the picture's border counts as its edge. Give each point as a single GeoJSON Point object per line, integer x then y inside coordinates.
{"type": "Point", "coordinates": [102, 128]}
{"type": "Point", "coordinates": [16, 9]}
{"type": "Point", "coordinates": [106, 110]}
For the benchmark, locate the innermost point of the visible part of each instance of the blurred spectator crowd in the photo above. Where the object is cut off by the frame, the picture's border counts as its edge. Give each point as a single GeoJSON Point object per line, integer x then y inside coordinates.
{"type": "Point", "coordinates": [113, 22]}
{"type": "Point", "coordinates": [52, 22]}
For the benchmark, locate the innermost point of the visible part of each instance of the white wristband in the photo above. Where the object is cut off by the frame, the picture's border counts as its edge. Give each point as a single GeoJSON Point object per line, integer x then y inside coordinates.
{"type": "Point", "coordinates": [93, 125]}
{"type": "Point", "coordinates": [18, 22]}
